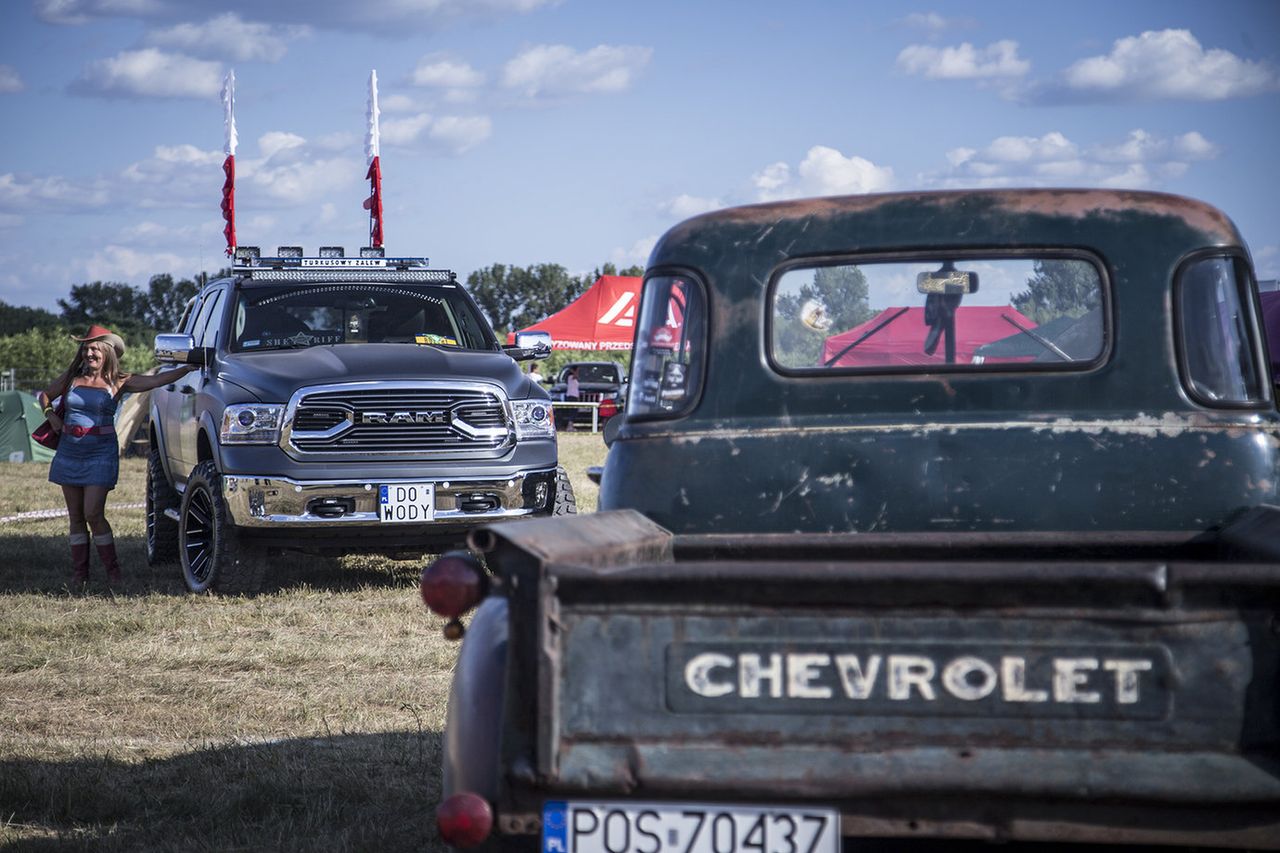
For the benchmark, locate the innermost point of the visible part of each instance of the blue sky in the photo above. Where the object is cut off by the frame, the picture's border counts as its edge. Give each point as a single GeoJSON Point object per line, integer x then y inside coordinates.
{"type": "Point", "coordinates": [574, 132]}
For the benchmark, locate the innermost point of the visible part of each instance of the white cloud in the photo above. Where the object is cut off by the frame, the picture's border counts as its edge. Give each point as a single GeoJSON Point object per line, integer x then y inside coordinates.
{"type": "Point", "coordinates": [824, 171]}
{"type": "Point", "coordinates": [151, 73]}
{"type": "Point", "coordinates": [397, 104]}
{"type": "Point", "coordinates": [379, 16]}
{"type": "Point", "coordinates": [964, 62]}
{"type": "Point", "coordinates": [455, 134]}
{"type": "Point", "coordinates": [1267, 262]}
{"type": "Point", "coordinates": [556, 69]}
{"type": "Point", "coordinates": [1169, 64]}
{"type": "Point", "coordinates": [931, 21]}
{"type": "Point", "coordinates": [683, 206]}
{"type": "Point", "coordinates": [1140, 160]}
{"type": "Point", "coordinates": [460, 133]}
{"type": "Point", "coordinates": [228, 36]}
{"type": "Point", "coordinates": [10, 82]}
{"type": "Point", "coordinates": [120, 263]}
{"type": "Point", "coordinates": [403, 131]}
{"type": "Point", "coordinates": [147, 233]}
{"type": "Point", "coordinates": [444, 73]}
{"type": "Point", "coordinates": [277, 141]}
{"type": "Point", "coordinates": [24, 194]}
{"type": "Point", "coordinates": [637, 254]}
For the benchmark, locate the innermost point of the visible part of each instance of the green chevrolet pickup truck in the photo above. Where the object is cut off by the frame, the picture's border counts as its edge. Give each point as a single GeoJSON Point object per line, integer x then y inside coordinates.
{"type": "Point", "coordinates": [931, 516]}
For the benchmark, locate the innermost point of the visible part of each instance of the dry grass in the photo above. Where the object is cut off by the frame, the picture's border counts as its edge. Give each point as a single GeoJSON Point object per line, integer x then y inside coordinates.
{"type": "Point", "coordinates": [306, 718]}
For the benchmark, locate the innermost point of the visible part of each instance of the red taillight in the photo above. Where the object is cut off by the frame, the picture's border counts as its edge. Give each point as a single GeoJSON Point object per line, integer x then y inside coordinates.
{"type": "Point", "coordinates": [608, 408]}
{"type": "Point", "coordinates": [453, 584]}
{"type": "Point", "coordinates": [464, 820]}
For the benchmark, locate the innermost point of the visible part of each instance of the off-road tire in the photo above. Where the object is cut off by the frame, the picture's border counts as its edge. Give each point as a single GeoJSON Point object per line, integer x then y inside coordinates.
{"type": "Point", "coordinates": [565, 503]}
{"type": "Point", "coordinates": [214, 556]}
{"type": "Point", "coordinates": [162, 531]}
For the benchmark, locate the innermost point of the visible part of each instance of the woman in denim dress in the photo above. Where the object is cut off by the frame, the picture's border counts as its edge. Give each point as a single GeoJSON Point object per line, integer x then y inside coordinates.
{"type": "Point", "coordinates": [87, 463]}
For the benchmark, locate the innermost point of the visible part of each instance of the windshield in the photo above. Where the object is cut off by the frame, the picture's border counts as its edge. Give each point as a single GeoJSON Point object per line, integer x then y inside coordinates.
{"type": "Point", "coordinates": [597, 373]}
{"type": "Point", "coordinates": [287, 316]}
{"type": "Point", "coordinates": [968, 313]}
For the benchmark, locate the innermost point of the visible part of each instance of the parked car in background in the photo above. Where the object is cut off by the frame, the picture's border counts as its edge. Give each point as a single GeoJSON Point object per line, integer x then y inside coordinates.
{"type": "Point", "coordinates": [598, 382]}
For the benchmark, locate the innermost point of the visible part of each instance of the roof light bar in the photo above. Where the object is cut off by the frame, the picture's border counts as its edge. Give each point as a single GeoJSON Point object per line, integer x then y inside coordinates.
{"type": "Point", "coordinates": [289, 252]}
{"type": "Point", "coordinates": [372, 252]}
{"type": "Point", "coordinates": [330, 275]}
{"type": "Point", "coordinates": [332, 252]}
{"type": "Point", "coordinates": [246, 255]}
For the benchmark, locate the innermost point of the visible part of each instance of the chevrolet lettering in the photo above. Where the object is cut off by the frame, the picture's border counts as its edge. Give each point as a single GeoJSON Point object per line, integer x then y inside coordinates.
{"type": "Point", "coordinates": [917, 678]}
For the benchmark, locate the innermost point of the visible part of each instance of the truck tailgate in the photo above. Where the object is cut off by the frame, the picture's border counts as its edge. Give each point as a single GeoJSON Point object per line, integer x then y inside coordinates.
{"type": "Point", "coordinates": [1107, 677]}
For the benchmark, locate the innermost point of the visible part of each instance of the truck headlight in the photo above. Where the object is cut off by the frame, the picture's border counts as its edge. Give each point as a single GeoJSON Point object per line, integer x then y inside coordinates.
{"type": "Point", "coordinates": [252, 423]}
{"type": "Point", "coordinates": [533, 419]}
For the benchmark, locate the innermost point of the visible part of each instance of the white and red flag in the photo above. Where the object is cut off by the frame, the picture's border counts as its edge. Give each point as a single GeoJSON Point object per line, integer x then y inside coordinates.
{"type": "Point", "coordinates": [373, 203]}
{"type": "Point", "coordinates": [229, 165]}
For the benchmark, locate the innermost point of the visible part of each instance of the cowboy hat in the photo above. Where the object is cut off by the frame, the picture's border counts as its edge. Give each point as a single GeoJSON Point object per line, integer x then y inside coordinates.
{"type": "Point", "coordinates": [98, 333]}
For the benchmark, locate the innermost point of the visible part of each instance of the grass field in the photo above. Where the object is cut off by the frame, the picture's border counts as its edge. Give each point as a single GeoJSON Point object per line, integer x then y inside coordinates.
{"type": "Point", "coordinates": [306, 718]}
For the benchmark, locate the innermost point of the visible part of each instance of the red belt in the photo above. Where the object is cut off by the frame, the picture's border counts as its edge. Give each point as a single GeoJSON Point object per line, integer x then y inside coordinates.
{"type": "Point", "coordinates": [82, 431]}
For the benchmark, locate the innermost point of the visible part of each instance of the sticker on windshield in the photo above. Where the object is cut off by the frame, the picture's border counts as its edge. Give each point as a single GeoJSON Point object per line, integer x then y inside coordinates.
{"type": "Point", "coordinates": [303, 339]}
{"type": "Point", "coordinates": [439, 340]}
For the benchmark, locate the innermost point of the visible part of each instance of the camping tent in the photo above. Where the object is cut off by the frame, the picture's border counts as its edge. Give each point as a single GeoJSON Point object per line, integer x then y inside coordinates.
{"type": "Point", "coordinates": [19, 415]}
{"type": "Point", "coordinates": [901, 339]}
{"type": "Point", "coordinates": [602, 318]}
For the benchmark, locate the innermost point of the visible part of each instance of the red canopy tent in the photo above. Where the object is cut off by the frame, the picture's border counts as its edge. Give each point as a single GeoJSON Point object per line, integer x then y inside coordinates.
{"type": "Point", "coordinates": [602, 318]}
{"type": "Point", "coordinates": [901, 342]}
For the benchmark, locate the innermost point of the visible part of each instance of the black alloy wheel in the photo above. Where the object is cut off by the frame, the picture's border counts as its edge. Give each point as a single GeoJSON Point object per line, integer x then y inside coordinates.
{"type": "Point", "coordinates": [214, 557]}
{"type": "Point", "coordinates": [162, 531]}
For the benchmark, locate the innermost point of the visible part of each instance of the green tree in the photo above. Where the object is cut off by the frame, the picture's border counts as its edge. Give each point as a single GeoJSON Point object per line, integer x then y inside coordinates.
{"type": "Point", "coordinates": [19, 318]}
{"type": "Point", "coordinates": [842, 294]}
{"type": "Point", "coordinates": [119, 307]}
{"type": "Point", "coordinates": [515, 297]}
{"type": "Point", "coordinates": [1059, 288]}
{"type": "Point", "coordinates": [166, 300]}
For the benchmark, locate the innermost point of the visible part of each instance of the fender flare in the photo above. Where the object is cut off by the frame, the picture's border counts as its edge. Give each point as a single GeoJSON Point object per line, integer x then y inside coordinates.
{"type": "Point", "coordinates": [472, 748]}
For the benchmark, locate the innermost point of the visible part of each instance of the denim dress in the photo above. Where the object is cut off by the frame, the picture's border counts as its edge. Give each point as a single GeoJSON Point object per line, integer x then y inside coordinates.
{"type": "Point", "coordinates": [90, 460]}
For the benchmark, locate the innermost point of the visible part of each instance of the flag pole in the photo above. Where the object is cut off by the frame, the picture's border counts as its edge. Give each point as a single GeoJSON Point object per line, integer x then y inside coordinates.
{"type": "Point", "coordinates": [229, 165]}
{"type": "Point", "coordinates": [373, 203]}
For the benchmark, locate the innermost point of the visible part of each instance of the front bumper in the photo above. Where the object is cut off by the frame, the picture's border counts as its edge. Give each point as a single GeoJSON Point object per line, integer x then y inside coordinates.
{"type": "Point", "coordinates": [277, 503]}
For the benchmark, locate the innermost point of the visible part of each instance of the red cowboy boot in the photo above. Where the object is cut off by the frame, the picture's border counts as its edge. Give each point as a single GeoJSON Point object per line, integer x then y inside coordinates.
{"type": "Point", "coordinates": [79, 559]}
{"type": "Point", "coordinates": [106, 544]}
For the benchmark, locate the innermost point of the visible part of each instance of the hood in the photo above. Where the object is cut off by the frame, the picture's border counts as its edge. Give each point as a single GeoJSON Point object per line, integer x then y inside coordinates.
{"type": "Point", "coordinates": [273, 375]}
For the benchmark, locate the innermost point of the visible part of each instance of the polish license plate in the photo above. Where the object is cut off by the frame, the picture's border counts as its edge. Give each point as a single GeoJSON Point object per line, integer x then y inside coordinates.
{"type": "Point", "coordinates": [406, 503]}
{"type": "Point", "coordinates": [601, 827]}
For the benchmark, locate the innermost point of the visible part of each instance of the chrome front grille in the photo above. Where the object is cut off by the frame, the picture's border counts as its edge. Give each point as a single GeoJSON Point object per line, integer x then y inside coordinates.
{"type": "Point", "coordinates": [404, 420]}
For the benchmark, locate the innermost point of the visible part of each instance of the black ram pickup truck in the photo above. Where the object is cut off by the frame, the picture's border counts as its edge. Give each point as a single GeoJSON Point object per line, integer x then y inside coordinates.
{"type": "Point", "coordinates": [343, 405]}
{"type": "Point", "coordinates": [931, 516]}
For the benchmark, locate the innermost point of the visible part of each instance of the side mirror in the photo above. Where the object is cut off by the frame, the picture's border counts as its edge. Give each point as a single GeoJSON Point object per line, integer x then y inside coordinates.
{"type": "Point", "coordinates": [530, 345]}
{"type": "Point", "coordinates": [179, 349]}
{"type": "Point", "coordinates": [947, 280]}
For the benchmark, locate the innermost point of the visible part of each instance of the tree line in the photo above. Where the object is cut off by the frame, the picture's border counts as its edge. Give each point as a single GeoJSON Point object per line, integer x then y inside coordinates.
{"type": "Point", "coordinates": [37, 343]}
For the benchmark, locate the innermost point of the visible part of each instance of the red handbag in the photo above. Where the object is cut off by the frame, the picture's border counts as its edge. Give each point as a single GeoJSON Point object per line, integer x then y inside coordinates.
{"type": "Point", "coordinates": [44, 434]}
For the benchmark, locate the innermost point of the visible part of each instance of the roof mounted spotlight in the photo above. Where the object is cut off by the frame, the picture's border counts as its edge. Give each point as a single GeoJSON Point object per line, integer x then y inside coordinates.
{"type": "Point", "coordinates": [247, 255]}
{"type": "Point", "coordinates": [332, 252]}
{"type": "Point", "coordinates": [372, 252]}
{"type": "Point", "coordinates": [289, 252]}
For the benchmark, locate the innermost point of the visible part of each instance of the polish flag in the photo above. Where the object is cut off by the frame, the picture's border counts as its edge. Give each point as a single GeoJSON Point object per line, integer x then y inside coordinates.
{"type": "Point", "coordinates": [229, 165]}
{"type": "Point", "coordinates": [373, 203]}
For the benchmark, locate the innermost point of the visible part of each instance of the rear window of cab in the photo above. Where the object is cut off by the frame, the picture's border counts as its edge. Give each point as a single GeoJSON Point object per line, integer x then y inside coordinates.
{"type": "Point", "coordinates": [965, 312]}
